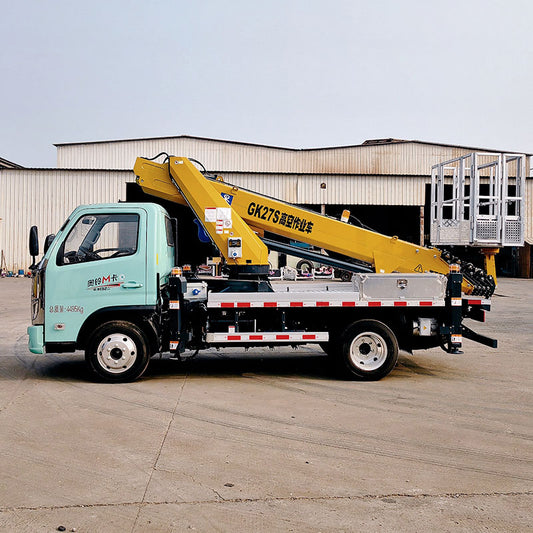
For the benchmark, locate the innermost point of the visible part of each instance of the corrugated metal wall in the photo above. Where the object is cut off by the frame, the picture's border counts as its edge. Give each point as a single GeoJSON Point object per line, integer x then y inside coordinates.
{"type": "Point", "coordinates": [45, 198]}
{"type": "Point", "coordinates": [215, 155]}
{"type": "Point", "coordinates": [406, 158]}
{"type": "Point", "coordinates": [387, 174]}
{"type": "Point", "coordinates": [340, 189]}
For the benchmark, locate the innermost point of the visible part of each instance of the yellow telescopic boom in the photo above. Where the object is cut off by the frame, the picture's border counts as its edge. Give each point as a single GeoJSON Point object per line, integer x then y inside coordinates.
{"type": "Point", "coordinates": [178, 180]}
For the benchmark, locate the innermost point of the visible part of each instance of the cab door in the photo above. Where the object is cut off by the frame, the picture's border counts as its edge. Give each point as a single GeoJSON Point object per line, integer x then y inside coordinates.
{"type": "Point", "coordinates": [101, 264]}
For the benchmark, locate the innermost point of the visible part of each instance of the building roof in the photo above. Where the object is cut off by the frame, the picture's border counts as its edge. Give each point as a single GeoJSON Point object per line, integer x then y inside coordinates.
{"type": "Point", "coordinates": [4, 163]}
{"type": "Point", "coordinates": [369, 142]}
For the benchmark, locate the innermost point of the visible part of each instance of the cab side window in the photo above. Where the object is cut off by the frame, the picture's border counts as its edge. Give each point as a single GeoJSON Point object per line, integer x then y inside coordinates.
{"type": "Point", "coordinates": [169, 231]}
{"type": "Point", "coordinates": [98, 237]}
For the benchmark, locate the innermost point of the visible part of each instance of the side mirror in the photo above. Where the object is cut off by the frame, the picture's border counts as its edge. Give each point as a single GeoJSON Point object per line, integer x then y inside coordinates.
{"type": "Point", "coordinates": [48, 241]}
{"type": "Point", "coordinates": [34, 244]}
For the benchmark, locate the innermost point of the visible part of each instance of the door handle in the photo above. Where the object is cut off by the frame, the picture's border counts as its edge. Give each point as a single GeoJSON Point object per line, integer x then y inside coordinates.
{"type": "Point", "coordinates": [131, 285]}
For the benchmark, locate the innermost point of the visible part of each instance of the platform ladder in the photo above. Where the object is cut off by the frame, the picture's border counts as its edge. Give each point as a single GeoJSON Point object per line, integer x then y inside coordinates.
{"type": "Point", "coordinates": [478, 200]}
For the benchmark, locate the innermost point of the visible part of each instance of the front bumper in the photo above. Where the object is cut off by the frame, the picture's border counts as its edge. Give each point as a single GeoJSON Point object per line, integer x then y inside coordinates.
{"type": "Point", "coordinates": [36, 340]}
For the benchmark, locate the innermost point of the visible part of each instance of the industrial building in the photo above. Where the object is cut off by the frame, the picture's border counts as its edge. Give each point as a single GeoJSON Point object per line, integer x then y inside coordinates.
{"type": "Point", "coordinates": [385, 183]}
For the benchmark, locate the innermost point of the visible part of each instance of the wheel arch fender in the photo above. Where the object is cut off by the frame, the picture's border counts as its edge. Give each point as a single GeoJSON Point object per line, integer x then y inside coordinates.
{"type": "Point", "coordinates": [342, 319]}
{"type": "Point", "coordinates": [142, 317]}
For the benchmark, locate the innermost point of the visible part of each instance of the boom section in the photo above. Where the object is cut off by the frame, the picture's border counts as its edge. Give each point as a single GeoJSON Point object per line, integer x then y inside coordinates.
{"type": "Point", "coordinates": [179, 181]}
{"type": "Point", "coordinates": [385, 254]}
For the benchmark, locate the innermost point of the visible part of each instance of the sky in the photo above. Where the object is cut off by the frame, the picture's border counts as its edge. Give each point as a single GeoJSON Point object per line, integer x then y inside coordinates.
{"type": "Point", "coordinates": [292, 73]}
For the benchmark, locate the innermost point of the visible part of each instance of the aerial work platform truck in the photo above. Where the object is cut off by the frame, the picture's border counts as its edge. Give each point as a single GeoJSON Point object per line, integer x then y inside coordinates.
{"type": "Point", "coordinates": [110, 283]}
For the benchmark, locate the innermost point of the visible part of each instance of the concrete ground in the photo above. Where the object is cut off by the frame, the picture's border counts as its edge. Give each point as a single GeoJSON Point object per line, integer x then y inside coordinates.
{"type": "Point", "coordinates": [262, 441]}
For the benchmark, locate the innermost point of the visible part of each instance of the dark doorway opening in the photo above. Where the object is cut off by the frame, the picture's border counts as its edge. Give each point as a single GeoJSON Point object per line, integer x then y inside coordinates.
{"type": "Point", "coordinates": [393, 220]}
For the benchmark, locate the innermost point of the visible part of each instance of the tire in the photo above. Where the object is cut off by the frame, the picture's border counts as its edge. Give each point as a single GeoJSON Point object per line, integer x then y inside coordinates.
{"type": "Point", "coordinates": [343, 275]}
{"type": "Point", "coordinates": [368, 351]}
{"type": "Point", "coordinates": [346, 276]}
{"type": "Point", "coordinates": [304, 266]}
{"type": "Point", "coordinates": [117, 352]}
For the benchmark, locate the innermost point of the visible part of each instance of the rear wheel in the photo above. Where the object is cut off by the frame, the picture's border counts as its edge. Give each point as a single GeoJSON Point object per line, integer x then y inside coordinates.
{"type": "Point", "coordinates": [117, 352]}
{"type": "Point", "coordinates": [346, 276]}
{"type": "Point", "coordinates": [368, 350]}
{"type": "Point", "coordinates": [304, 266]}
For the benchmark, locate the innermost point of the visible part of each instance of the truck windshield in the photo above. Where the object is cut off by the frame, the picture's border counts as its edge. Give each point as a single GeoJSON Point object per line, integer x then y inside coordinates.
{"type": "Point", "coordinates": [97, 237]}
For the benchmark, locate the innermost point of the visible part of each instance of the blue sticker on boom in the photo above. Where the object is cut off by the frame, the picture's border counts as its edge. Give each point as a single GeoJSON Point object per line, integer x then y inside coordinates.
{"type": "Point", "coordinates": [227, 197]}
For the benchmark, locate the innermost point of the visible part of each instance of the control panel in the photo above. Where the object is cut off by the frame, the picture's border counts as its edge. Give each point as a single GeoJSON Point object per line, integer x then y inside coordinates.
{"type": "Point", "coordinates": [235, 247]}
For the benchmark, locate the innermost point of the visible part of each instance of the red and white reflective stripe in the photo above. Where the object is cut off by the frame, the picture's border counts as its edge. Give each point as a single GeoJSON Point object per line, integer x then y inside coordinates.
{"type": "Point", "coordinates": [276, 336]}
{"type": "Point", "coordinates": [477, 301]}
{"type": "Point", "coordinates": [330, 303]}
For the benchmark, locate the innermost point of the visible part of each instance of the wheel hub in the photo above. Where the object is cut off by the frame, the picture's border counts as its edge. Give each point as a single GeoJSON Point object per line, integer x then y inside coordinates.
{"type": "Point", "coordinates": [116, 353]}
{"type": "Point", "coordinates": [368, 351]}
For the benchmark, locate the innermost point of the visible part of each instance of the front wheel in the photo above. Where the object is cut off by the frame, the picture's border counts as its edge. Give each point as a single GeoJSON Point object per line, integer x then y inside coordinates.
{"type": "Point", "coordinates": [117, 352]}
{"type": "Point", "coordinates": [368, 350]}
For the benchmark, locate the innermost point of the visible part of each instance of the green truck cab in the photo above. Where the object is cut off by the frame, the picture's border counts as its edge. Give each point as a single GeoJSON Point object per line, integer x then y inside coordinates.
{"type": "Point", "coordinates": [98, 286]}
